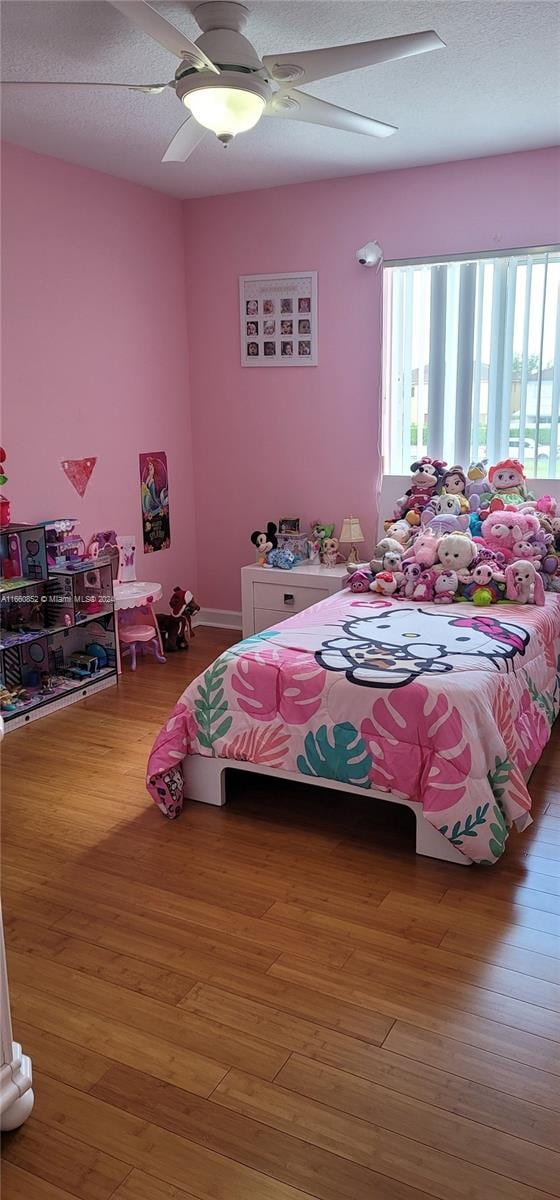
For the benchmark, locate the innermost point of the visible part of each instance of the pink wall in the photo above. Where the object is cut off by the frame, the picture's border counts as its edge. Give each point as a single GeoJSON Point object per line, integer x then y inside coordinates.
{"type": "Point", "coordinates": [94, 350]}
{"type": "Point", "coordinates": [304, 441]}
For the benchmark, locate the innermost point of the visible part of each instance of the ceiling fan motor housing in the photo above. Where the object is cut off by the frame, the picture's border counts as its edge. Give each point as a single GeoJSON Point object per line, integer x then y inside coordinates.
{"type": "Point", "coordinates": [222, 40]}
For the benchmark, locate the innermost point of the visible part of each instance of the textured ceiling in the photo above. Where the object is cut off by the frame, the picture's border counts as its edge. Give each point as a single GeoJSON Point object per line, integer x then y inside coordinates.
{"type": "Point", "coordinates": [495, 88]}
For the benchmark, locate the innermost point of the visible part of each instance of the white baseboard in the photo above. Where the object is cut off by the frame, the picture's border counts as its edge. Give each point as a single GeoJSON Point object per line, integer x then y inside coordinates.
{"type": "Point", "coordinates": [218, 618]}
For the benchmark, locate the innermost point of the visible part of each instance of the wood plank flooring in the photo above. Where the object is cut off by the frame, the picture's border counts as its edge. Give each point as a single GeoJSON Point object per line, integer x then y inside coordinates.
{"type": "Point", "coordinates": [276, 1000]}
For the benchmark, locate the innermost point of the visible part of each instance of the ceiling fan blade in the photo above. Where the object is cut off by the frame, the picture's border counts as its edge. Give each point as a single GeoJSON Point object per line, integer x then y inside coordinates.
{"type": "Point", "coordinates": [153, 89]}
{"type": "Point", "coordinates": [187, 138]}
{"type": "Point", "coordinates": [299, 106]}
{"type": "Point", "coordinates": [151, 22]}
{"type": "Point", "coordinates": [308, 65]}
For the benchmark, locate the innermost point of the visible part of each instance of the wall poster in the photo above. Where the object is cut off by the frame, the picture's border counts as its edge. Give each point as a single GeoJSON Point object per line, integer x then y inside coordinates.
{"type": "Point", "coordinates": [154, 489]}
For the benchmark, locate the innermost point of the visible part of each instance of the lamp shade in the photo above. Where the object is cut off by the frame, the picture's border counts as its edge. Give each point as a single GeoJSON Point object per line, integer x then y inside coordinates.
{"type": "Point", "coordinates": [351, 530]}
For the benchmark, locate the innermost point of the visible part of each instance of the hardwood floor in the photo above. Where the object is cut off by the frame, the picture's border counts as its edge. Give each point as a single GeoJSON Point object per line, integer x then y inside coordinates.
{"type": "Point", "coordinates": [275, 1000]}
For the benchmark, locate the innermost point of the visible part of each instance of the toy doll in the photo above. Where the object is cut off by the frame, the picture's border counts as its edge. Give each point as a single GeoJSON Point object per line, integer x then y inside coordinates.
{"type": "Point", "coordinates": [508, 478]}
{"type": "Point", "coordinates": [507, 481]}
{"type": "Point", "coordinates": [411, 572]}
{"type": "Point", "coordinates": [329, 551]}
{"type": "Point", "coordinates": [424, 589]}
{"type": "Point", "coordinates": [483, 589]}
{"type": "Point", "coordinates": [446, 586]}
{"type": "Point", "coordinates": [454, 483]}
{"type": "Point", "coordinates": [265, 542]}
{"type": "Point", "coordinates": [426, 476]}
{"type": "Point", "coordinates": [524, 584]}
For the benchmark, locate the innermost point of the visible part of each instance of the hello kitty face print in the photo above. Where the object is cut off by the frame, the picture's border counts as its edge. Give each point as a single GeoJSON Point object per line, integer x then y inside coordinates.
{"type": "Point", "coordinates": [395, 646]}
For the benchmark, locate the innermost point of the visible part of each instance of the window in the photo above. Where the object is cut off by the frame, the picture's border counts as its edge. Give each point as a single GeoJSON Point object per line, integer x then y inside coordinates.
{"type": "Point", "coordinates": [472, 361]}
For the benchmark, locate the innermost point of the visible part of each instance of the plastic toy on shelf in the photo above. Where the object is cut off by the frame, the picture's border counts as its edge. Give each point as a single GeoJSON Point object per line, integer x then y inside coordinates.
{"type": "Point", "coordinates": [57, 622]}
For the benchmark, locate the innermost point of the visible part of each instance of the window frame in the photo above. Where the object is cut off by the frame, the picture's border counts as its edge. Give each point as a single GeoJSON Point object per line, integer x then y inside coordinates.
{"type": "Point", "coordinates": [498, 412]}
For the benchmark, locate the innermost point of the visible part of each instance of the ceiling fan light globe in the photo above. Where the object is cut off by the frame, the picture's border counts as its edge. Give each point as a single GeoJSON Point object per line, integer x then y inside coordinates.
{"type": "Point", "coordinates": [226, 111]}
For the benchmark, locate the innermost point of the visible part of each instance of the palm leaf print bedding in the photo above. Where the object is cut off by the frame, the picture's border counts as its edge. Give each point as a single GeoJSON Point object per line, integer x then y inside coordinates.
{"type": "Point", "coordinates": [445, 705]}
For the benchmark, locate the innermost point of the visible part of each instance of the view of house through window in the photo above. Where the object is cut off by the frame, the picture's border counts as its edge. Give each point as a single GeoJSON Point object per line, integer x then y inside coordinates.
{"type": "Point", "coordinates": [472, 361]}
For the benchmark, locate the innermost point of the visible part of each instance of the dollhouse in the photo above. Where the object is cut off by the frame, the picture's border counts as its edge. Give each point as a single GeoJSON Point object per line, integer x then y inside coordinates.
{"type": "Point", "coordinates": [57, 621]}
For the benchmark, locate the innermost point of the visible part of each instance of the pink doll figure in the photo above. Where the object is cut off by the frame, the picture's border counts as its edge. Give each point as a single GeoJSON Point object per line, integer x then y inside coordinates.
{"type": "Point", "coordinates": [385, 582]}
{"type": "Point", "coordinates": [524, 584]}
{"type": "Point", "coordinates": [507, 478]}
{"type": "Point", "coordinates": [446, 587]}
{"type": "Point", "coordinates": [424, 589]}
{"type": "Point", "coordinates": [456, 552]}
{"type": "Point", "coordinates": [411, 572]}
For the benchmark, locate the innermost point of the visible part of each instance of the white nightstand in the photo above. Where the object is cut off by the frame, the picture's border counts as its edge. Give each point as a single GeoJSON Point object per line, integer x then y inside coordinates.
{"type": "Point", "coordinates": [268, 595]}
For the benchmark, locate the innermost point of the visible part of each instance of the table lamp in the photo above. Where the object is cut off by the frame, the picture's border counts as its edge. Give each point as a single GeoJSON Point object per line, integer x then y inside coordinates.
{"type": "Point", "coordinates": [351, 532]}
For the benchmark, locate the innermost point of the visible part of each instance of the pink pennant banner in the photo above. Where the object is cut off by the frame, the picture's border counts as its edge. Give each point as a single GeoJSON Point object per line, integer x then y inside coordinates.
{"type": "Point", "coordinates": [78, 471]}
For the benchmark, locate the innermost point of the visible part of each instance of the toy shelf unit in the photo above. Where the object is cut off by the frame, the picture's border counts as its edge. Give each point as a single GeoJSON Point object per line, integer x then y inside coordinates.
{"type": "Point", "coordinates": [57, 629]}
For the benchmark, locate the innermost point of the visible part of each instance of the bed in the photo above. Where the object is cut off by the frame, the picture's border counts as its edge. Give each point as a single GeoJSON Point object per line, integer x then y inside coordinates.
{"type": "Point", "coordinates": [442, 708]}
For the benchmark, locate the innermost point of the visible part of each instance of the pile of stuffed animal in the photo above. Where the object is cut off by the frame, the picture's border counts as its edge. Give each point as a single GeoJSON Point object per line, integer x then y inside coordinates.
{"type": "Point", "coordinates": [466, 535]}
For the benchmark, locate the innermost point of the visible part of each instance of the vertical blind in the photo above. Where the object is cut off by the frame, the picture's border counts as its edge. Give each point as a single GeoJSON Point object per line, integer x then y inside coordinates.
{"type": "Point", "coordinates": [472, 362]}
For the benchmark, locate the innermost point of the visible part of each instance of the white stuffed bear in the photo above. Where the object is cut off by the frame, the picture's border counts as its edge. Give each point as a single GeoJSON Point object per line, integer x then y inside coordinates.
{"type": "Point", "coordinates": [456, 552]}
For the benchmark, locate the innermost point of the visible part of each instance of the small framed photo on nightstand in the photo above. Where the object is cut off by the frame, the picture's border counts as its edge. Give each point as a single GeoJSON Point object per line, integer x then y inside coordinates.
{"type": "Point", "coordinates": [288, 525]}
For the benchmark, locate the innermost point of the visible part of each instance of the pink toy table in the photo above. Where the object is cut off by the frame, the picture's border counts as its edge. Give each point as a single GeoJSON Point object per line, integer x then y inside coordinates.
{"type": "Point", "coordinates": [140, 597]}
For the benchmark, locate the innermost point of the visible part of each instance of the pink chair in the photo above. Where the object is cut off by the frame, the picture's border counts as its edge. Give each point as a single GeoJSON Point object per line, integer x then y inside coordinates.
{"type": "Point", "coordinates": [143, 636]}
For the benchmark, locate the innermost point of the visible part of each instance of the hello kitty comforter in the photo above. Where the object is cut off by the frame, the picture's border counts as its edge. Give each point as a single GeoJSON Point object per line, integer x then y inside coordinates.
{"type": "Point", "coordinates": [449, 705]}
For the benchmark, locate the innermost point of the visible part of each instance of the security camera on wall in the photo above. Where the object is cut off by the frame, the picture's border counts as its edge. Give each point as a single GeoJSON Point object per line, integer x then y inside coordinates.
{"type": "Point", "coordinates": [369, 255]}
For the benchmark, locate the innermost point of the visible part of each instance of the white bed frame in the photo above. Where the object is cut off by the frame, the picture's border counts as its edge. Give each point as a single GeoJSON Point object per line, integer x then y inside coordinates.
{"type": "Point", "coordinates": [205, 778]}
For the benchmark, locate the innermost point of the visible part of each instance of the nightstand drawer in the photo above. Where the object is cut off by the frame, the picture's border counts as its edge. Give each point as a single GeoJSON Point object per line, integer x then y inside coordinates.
{"type": "Point", "coordinates": [265, 617]}
{"type": "Point", "coordinates": [286, 598]}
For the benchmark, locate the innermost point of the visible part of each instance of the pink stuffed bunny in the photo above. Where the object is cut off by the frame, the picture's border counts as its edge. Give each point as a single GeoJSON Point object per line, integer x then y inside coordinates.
{"type": "Point", "coordinates": [524, 584]}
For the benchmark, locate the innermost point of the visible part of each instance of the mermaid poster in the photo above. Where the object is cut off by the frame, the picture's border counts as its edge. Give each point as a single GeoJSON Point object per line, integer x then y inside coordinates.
{"type": "Point", "coordinates": [154, 489]}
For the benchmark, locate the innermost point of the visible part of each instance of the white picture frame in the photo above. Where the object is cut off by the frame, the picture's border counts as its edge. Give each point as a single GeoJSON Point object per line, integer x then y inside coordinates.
{"type": "Point", "coordinates": [278, 319]}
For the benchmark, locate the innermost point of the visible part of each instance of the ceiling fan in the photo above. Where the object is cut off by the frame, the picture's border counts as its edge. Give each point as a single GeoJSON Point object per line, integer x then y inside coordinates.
{"type": "Point", "coordinates": [227, 88]}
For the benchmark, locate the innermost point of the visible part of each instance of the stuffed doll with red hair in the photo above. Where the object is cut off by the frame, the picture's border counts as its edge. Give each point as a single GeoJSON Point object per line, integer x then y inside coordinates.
{"type": "Point", "coordinates": [507, 480]}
